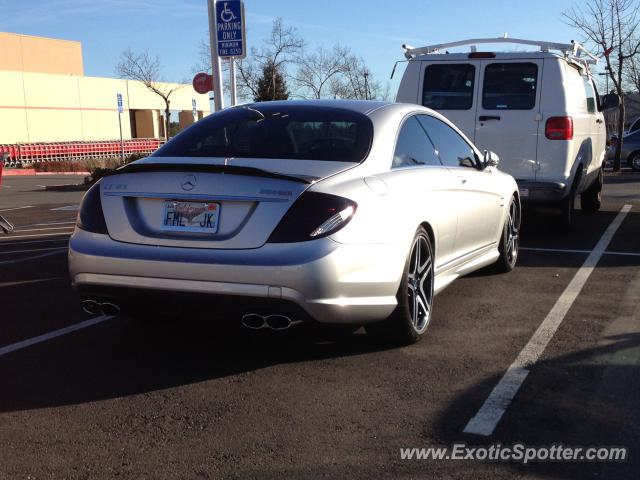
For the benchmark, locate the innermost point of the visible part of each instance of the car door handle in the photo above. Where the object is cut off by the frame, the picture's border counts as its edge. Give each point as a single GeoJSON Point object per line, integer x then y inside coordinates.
{"type": "Point", "coordinates": [599, 120]}
{"type": "Point", "coordinates": [462, 180]}
{"type": "Point", "coordinates": [484, 118]}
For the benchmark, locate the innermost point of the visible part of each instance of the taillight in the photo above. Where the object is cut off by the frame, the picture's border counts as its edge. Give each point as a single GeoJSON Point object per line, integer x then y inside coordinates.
{"type": "Point", "coordinates": [90, 215]}
{"type": "Point", "coordinates": [313, 215]}
{"type": "Point", "coordinates": [559, 128]}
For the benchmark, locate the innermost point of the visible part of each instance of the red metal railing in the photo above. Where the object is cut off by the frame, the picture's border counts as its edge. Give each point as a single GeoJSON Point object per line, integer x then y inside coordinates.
{"type": "Point", "coordinates": [22, 153]}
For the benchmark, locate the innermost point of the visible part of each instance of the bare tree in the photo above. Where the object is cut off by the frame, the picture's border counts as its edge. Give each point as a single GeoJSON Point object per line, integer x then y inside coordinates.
{"type": "Point", "coordinates": [612, 26]}
{"type": "Point", "coordinates": [281, 48]}
{"type": "Point", "coordinates": [632, 73]}
{"type": "Point", "coordinates": [145, 68]}
{"type": "Point", "coordinates": [317, 70]}
{"type": "Point", "coordinates": [356, 81]}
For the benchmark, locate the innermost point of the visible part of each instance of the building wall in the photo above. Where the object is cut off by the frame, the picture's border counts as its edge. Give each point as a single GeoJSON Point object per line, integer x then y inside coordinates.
{"type": "Point", "coordinates": [41, 107]}
{"type": "Point", "coordinates": [24, 53]}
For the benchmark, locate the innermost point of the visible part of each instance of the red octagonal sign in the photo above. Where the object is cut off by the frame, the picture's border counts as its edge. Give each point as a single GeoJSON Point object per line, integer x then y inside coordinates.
{"type": "Point", "coordinates": [202, 83]}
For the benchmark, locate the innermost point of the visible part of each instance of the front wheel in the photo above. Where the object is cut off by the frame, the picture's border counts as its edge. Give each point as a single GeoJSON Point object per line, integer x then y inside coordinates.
{"type": "Point", "coordinates": [410, 319]}
{"type": "Point", "coordinates": [634, 162]}
{"type": "Point", "coordinates": [510, 239]}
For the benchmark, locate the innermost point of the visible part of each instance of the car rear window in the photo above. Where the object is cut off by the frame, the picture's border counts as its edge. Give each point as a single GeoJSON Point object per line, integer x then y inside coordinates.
{"type": "Point", "coordinates": [269, 131]}
{"type": "Point", "coordinates": [510, 86]}
{"type": "Point", "coordinates": [448, 87]}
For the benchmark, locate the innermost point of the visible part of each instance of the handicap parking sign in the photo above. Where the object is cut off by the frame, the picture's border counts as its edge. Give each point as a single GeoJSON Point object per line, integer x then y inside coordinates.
{"type": "Point", "coordinates": [230, 31]}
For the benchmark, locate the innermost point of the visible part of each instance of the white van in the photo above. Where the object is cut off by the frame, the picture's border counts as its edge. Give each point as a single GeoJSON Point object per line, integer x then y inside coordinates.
{"type": "Point", "coordinates": [539, 111]}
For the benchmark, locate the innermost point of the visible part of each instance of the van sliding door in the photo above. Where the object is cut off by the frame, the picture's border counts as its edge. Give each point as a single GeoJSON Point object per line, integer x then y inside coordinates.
{"type": "Point", "coordinates": [508, 113]}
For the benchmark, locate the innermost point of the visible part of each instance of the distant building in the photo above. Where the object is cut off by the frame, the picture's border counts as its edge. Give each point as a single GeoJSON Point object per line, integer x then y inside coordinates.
{"type": "Point", "coordinates": [45, 97]}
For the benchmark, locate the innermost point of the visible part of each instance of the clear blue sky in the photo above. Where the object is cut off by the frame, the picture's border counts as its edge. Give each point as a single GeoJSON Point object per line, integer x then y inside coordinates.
{"type": "Point", "coordinates": [374, 29]}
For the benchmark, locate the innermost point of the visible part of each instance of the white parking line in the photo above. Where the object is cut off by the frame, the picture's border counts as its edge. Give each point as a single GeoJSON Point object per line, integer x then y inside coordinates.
{"type": "Point", "coordinates": [487, 418]}
{"type": "Point", "coordinates": [34, 257]}
{"type": "Point", "coordinates": [56, 333]}
{"type": "Point", "coordinates": [32, 250]}
{"type": "Point", "coordinates": [11, 237]}
{"type": "Point", "coordinates": [25, 242]}
{"type": "Point", "coordinates": [44, 229]}
{"type": "Point", "coordinates": [562, 250]}
{"type": "Point", "coordinates": [70, 222]}
{"type": "Point", "coordinates": [552, 250]}
{"type": "Point", "coordinates": [16, 208]}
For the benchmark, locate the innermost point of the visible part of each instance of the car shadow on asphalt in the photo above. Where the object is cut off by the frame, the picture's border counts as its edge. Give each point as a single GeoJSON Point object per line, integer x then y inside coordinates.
{"type": "Point", "coordinates": [586, 398]}
{"type": "Point", "coordinates": [121, 357]}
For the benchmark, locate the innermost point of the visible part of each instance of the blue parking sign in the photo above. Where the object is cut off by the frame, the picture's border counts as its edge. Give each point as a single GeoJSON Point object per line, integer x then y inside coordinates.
{"type": "Point", "coordinates": [230, 32]}
{"type": "Point", "coordinates": [120, 107]}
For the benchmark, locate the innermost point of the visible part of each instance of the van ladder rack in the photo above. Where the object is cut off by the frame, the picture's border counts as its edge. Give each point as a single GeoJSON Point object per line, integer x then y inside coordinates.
{"type": "Point", "coordinates": [572, 51]}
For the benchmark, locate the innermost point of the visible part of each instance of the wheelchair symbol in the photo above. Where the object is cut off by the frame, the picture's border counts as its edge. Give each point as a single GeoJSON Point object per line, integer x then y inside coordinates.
{"type": "Point", "coordinates": [227, 15]}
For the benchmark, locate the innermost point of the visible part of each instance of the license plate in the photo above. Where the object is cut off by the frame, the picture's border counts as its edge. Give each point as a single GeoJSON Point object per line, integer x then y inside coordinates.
{"type": "Point", "coordinates": [524, 192]}
{"type": "Point", "coordinates": [196, 217]}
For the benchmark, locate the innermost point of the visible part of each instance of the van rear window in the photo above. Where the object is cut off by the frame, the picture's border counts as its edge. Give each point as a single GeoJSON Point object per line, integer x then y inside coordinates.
{"type": "Point", "coordinates": [510, 86]}
{"type": "Point", "coordinates": [448, 87]}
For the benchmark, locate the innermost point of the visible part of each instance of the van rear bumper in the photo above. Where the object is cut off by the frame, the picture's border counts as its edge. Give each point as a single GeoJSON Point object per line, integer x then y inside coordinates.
{"type": "Point", "coordinates": [541, 192]}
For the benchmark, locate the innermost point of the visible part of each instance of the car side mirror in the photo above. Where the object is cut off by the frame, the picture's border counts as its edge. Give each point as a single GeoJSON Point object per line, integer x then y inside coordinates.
{"type": "Point", "coordinates": [609, 100]}
{"type": "Point", "coordinates": [491, 159]}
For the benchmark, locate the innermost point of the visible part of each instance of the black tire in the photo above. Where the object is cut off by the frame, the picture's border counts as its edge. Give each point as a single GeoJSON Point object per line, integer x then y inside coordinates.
{"type": "Point", "coordinates": [634, 161]}
{"type": "Point", "coordinates": [567, 206]}
{"type": "Point", "coordinates": [410, 319]}
{"type": "Point", "coordinates": [591, 198]}
{"type": "Point", "coordinates": [510, 239]}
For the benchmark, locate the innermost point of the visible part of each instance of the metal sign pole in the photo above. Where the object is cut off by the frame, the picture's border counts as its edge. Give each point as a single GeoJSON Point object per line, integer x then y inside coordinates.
{"type": "Point", "coordinates": [232, 80]}
{"type": "Point", "coordinates": [216, 70]}
{"type": "Point", "coordinates": [121, 141]}
{"type": "Point", "coordinates": [120, 110]}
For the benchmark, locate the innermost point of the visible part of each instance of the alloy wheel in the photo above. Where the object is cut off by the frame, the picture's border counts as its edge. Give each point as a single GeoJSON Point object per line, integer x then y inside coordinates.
{"type": "Point", "coordinates": [513, 237]}
{"type": "Point", "coordinates": [420, 284]}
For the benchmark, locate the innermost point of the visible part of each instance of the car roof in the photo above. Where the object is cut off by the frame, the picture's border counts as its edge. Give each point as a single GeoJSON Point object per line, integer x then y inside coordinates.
{"type": "Point", "coordinates": [361, 106]}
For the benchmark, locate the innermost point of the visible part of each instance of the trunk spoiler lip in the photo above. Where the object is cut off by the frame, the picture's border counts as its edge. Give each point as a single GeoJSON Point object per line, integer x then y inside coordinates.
{"type": "Point", "coordinates": [210, 168]}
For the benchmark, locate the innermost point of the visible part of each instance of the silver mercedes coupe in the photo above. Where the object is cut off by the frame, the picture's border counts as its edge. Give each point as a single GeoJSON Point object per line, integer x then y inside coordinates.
{"type": "Point", "coordinates": [278, 213]}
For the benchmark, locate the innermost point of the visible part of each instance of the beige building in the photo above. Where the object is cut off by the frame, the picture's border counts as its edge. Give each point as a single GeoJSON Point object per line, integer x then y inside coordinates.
{"type": "Point", "coordinates": [45, 97]}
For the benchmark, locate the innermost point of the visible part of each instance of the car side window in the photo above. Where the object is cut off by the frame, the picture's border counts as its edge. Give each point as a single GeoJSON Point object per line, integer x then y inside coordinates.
{"type": "Point", "coordinates": [452, 149]}
{"type": "Point", "coordinates": [413, 147]}
{"type": "Point", "coordinates": [591, 96]}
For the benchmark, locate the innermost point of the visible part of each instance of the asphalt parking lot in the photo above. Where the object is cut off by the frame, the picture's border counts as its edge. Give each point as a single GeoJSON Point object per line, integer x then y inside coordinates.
{"type": "Point", "coordinates": [107, 397]}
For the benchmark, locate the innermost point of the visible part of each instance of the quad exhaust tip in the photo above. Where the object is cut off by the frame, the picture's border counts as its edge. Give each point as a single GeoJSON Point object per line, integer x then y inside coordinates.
{"type": "Point", "coordinates": [256, 321]}
{"type": "Point", "coordinates": [96, 308]}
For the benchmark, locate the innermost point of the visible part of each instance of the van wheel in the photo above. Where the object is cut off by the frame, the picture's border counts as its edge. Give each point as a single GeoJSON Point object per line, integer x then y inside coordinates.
{"type": "Point", "coordinates": [410, 319]}
{"type": "Point", "coordinates": [634, 162]}
{"type": "Point", "coordinates": [566, 216]}
{"type": "Point", "coordinates": [591, 198]}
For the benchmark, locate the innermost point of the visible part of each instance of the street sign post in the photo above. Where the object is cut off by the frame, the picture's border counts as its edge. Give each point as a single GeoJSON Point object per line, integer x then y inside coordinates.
{"type": "Point", "coordinates": [230, 31]}
{"type": "Point", "coordinates": [120, 110]}
{"type": "Point", "coordinates": [228, 41]}
{"type": "Point", "coordinates": [194, 108]}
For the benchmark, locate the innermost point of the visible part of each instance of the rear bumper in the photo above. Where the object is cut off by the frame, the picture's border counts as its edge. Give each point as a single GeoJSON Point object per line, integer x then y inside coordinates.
{"type": "Point", "coordinates": [322, 280]}
{"type": "Point", "coordinates": [541, 192]}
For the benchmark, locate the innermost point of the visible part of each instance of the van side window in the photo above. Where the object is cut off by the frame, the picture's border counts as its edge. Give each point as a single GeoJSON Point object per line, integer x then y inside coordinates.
{"type": "Point", "coordinates": [413, 147]}
{"type": "Point", "coordinates": [510, 86]}
{"type": "Point", "coordinates": [452, 149]}
{"type": "Point", "coordinates": [591, 96]}
{"type": "Point", "coordinates": [448, 87]}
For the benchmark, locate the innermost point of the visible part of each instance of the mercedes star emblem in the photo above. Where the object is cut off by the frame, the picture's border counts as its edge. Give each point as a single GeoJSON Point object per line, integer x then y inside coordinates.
{"type": "Point", "coordinates": [189, 182]}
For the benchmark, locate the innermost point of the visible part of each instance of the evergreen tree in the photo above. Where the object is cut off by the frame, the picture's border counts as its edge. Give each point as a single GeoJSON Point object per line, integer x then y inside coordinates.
{"type": "Point", "coordinates": [272, 85]}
